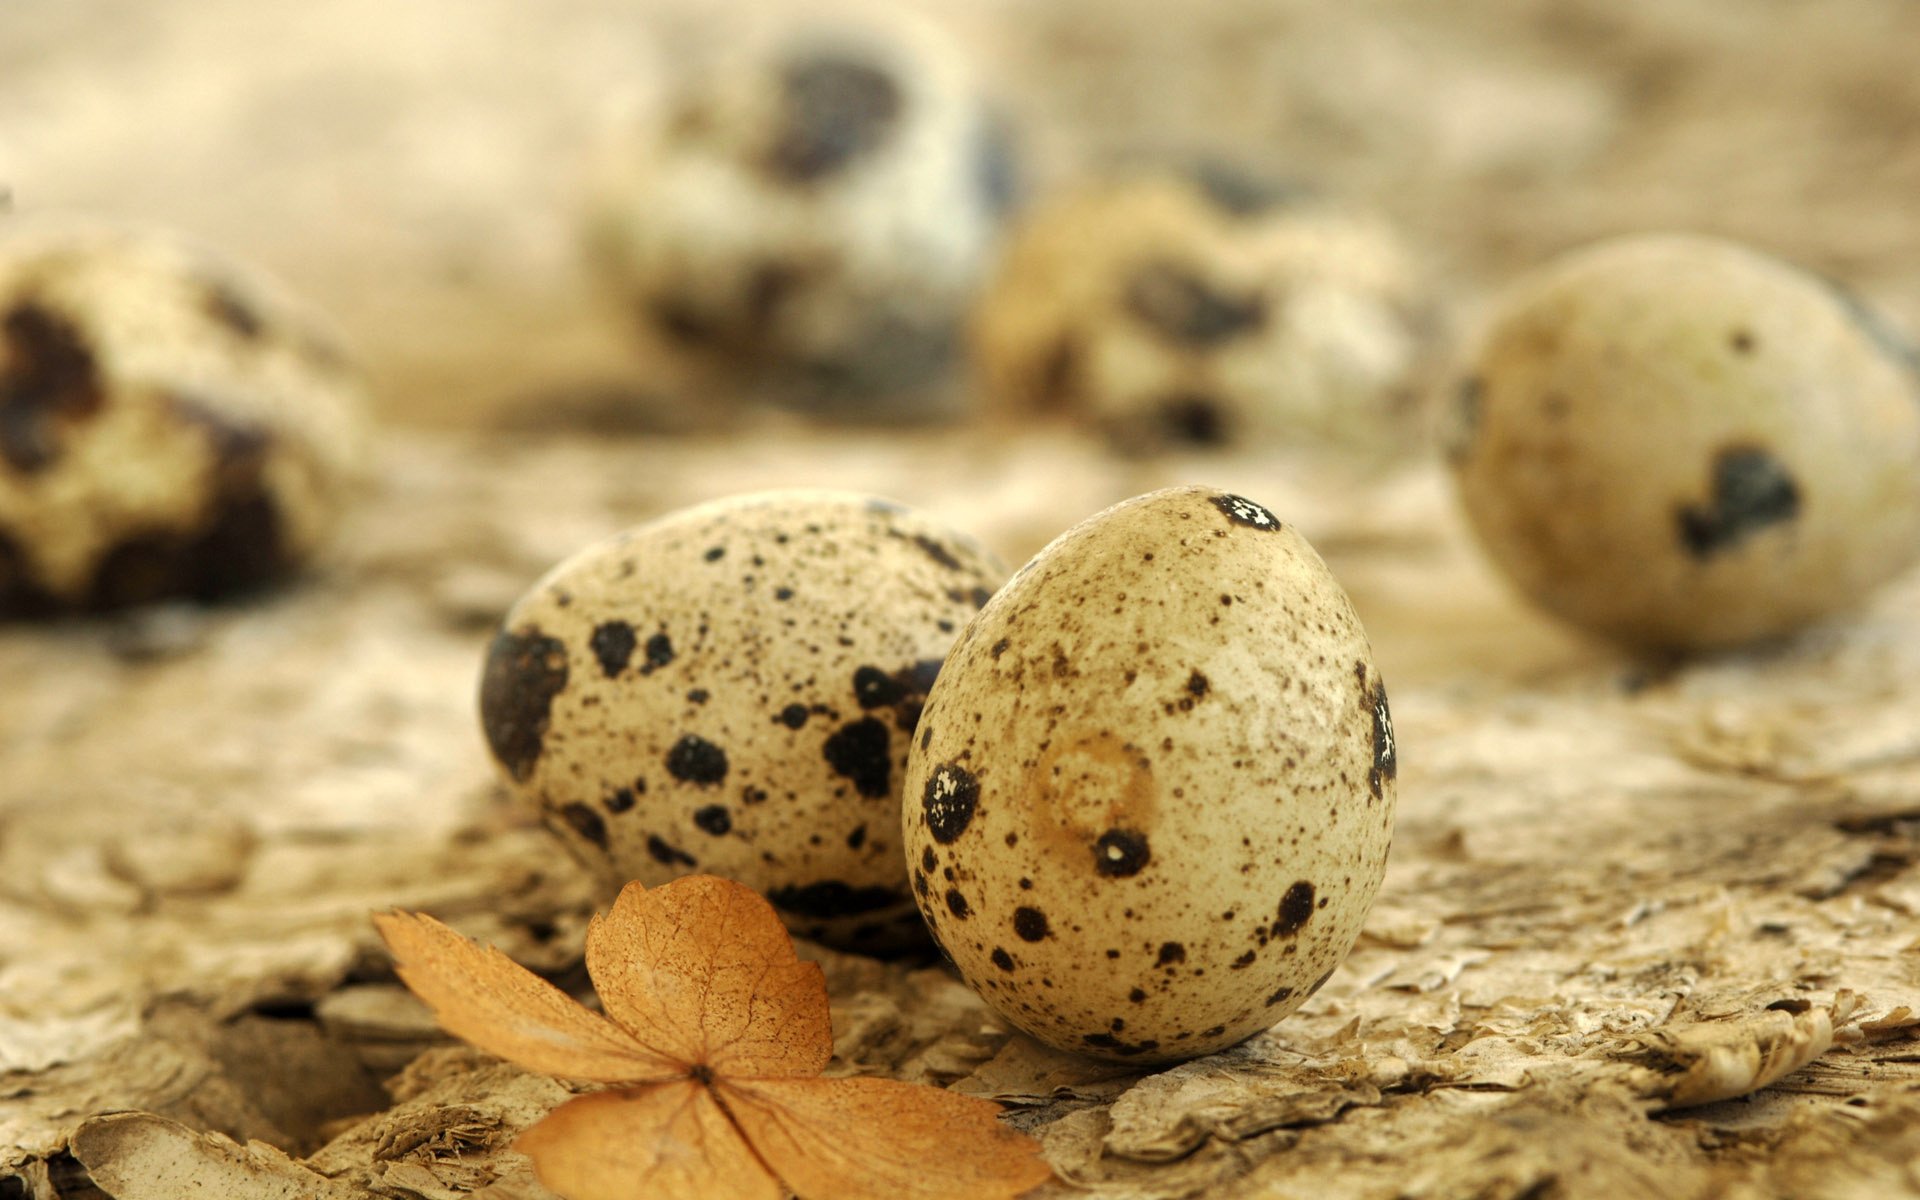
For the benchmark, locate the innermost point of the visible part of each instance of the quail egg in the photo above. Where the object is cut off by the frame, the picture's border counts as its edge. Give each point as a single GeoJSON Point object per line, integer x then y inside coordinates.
{"type": "Point", "coordinates": [811, 216]}
{"type": "Point", "coordinates": [1149, 805]}
{"type": "Point", "coordinates": [731, 689]}
{"type": "Point", "coordinates": [1680, 443]}
{"type": "Point", "coordinates": [170, 426]}
{"type": "Point", "coordinates": [1196, 309]}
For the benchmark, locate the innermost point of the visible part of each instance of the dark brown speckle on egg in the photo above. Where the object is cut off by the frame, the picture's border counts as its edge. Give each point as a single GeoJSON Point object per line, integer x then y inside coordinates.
{"type": "Point", "coordinates": [525, 671]}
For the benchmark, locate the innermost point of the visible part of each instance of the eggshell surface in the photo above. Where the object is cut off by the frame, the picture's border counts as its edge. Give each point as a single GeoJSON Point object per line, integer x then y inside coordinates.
{"type": "Point", "coordinates": [1150, 801]}
{"type": "Point", "coordinates": [1680, 443]}
{"type": "Point", "coordinates": [731, 689]}
{"type": "Point", "coordinates": [1170, 312]}
{"type": "Point", "coordinates": [171, 426]}
{"type": "Point", "coordinates": [811, 213]}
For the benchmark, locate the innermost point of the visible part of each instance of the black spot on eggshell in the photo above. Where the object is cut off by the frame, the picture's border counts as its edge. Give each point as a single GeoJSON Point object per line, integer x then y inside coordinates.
{"type": "Point", "coordinates": [905, 690]}
{"type": "Point", "coordinates": [714, 819]}
{"type": "Point", "coordinates": [996, 164]}
{"type": "Point", "coordinates": [857, 838]}
{"type": "Point", "coordinates": [837, 110]}
{"type": "Point", "coordinates": [237, 544]}
{"type": "Point", "coordinates": [1296, 907]}
{"type": "Point", "coordinates": [524, 672]}
{"type": "Point", "coordinates": [1106, 1041]}
{"type": "Point", "coordinates": [1059, 372]}
{"type": "Point", "coordinates": [1280, 995]}
{"type": "Point", "coordinates": [693, 759]}
{"type": "Point", "coordinates": [767, 289]}
{"type": "Point", "coordinates": [232, 311]}
{"type": "Point", "coordinates": [832, 898]}
{"type": "Point", "coordinates": [1002, 959]}
{"type": "Point", "coordinates": [793, 716]}
{"type": "Point", "coordinates": [1386, 759]}
{"type": "Point", "coordinates": [667, 854]}
{"type": "Point", "coordinates": [957, 904]}
{"type": "Point", "coordinates": [619, 800]}
{"type": "Point", "coordinates": [1170, 953]}
{"type": "Point", "coordinates": [612, 643]}
{"type": "Point", "coordinates": [874, 688]}
{"type": "Point", "coordinates": [1751, 490]}
{"type": "Point", "coordinates": [1467, 401]}
{"type": "Point", "coordinates": [860, 751]}
{"type": "Point", "coordinates": [1030, 924]}
{"type": "Point", "coordinates": [714, 553]}
{"type": "Point", "coordinates": [587, 823]}
{"type": "Point", "coordinates": [1197, 684]}
{"type": "Point", "coordinates": [1237, 191]}
{"type": "Point", "coordinates": [1119, 853]}
{"type": "Point", "coordinates": [937, 551]}
{"type": "Point", "coordinates": [20, 593]}
{"type": "Point", "coordinates": [948, 802]}
{"type": "Point", "coordinates": [48, 381]}
{"type": "Point", "coordinates": [1195, 419]}
{"type": "Point", "coordinates": [659, 652]}
{"type": "Point", "coordinates": [237, 548]}
{"type": "Point", "coordinates": [1243, 511]}
{"type": "Point", "coordinates": [928, 860]}
{"type": "Point", "coordinates": [138, 569]}
{"type": "Point", "coordinates": [1184, 308]}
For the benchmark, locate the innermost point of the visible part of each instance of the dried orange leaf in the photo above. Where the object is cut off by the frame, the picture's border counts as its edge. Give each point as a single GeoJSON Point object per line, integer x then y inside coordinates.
{"type": "Point", "coordinates": [666, 1142]}
{"type": "Point", "coordinates": [480, 994]}
{"type": "Point", "coordinates": [702, 970]}
{"type": "Point", "coordinates": [707, 1004]}
{"type": "Point", "coordinates": [879, 1139]}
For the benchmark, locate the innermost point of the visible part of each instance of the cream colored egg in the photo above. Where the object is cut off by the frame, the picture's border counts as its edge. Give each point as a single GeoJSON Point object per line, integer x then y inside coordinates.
{"type": "Point", "coordinates": [1171, 311]}
{"type": "Point", "coordinates": [731, 689]}
{"type": "Point", "coordinates": [810, 213]}
{"type": "Point", "coordinates": [1149, 805]}
{"type": "Point", "coordinates": [1678, 443]}
{"type": "Point", "coordinates": [170, 426]}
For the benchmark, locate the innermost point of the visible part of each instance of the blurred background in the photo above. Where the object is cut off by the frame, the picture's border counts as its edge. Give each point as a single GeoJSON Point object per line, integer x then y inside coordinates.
{"type": "Point", "coordinates": [419, 170]}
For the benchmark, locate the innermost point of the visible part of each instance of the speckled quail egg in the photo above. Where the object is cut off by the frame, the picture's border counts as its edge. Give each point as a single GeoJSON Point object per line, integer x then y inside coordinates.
{"type": "Point", "coordinates": [1678, 443]}
{"type": "Point", "coordinates": [170, 426]}
{"type": "Point", "coordinates": [1179, 309]}
{"type": "Point", "coordinates": [1149, 805]}
{"type": "Point", "coordinates": [811, 216]}
{"type": "Point", "coordinates": [731, 689]}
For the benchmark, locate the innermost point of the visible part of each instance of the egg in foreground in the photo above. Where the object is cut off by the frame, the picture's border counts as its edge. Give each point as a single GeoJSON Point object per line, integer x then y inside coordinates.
{"type": "Point", "coordinates": [731, 689]}
{"type": "Point", "coordinates": [171, 426]}
{"type": "Point", "coordinates": [1150, 800]}
{"type": "Point", "coordinates": [1680, 443]}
